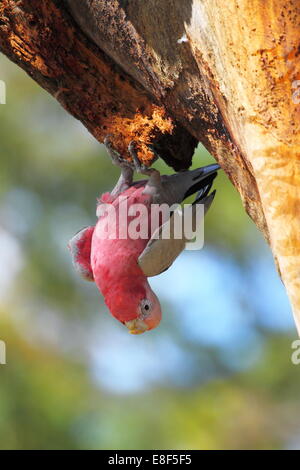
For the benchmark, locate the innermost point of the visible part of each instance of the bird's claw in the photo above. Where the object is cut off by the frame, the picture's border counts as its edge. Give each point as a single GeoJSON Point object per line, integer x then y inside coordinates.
{"type": "Point", "coordinates": [138, 166]}
{"type": "Point", "coordinates": [141, 168]}
{"type": "Point", "coordinates": [117, 159]}
{"type": "Point", "coordinates": [135, 164]}
{"type": "Point", "coordinates": [153, 150]}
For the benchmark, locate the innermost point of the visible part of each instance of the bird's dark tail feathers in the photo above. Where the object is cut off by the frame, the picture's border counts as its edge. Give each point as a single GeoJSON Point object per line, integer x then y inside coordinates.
{"type": "Point", "coordinates": [202, 179]}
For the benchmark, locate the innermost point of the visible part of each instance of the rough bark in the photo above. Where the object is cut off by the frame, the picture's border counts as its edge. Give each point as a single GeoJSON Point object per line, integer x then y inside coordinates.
{"type": "Point", "coordinates": [170, 71]}
{"type": "Point", "coordinates": [41, 37]}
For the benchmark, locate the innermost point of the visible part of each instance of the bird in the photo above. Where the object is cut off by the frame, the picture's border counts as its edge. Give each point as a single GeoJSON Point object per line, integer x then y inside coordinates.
{"type": "Point", "coordinates": [117, 256]}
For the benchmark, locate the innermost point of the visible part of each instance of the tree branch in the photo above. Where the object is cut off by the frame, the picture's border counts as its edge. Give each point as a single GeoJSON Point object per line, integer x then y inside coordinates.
{"type": "Point", "coordinates": [43, 39]}
{"type": "Point", "coordinates": [173, 72]}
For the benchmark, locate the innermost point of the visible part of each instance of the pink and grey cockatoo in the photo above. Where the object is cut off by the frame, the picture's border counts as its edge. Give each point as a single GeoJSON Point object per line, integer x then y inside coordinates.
{"type": "Point", "coordinates": [119, 265]}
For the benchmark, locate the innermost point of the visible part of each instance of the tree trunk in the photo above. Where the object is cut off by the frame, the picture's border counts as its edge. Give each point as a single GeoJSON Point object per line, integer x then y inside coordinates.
{"type": "Point", "coordinates": [174, 72]}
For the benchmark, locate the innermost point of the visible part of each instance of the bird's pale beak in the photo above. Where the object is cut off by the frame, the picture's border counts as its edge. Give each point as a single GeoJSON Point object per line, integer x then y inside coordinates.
{"type": "Point", "coordinates": [136, 326]}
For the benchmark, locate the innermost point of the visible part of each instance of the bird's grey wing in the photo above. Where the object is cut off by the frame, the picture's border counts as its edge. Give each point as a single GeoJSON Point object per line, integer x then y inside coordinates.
{"type": "Point", "coordinates": [161, 252]}
{"type": "Point", "coordinates": [165, 245]}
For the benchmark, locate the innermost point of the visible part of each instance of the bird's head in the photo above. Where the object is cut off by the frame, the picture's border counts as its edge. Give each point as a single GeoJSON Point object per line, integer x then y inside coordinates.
{"type": "Point", "coordinates": [147, 314]}
{"type": "Point", "coordinates": [136, 307]}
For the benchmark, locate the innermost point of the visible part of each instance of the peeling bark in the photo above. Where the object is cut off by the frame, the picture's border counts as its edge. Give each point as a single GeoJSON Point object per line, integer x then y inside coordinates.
{"type": "Point", "coordinates": [42, 38]}
{"type": "Point", "coordinates": [172, 71]}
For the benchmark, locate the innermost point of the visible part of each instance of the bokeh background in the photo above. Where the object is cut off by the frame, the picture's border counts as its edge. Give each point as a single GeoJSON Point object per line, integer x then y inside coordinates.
{"type": "Point", "coordinates": [217, 373]}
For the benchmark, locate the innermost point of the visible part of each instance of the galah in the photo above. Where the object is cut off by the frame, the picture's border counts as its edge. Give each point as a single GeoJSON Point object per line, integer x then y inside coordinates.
{"type": "Point", "coordinates": [120, 265]}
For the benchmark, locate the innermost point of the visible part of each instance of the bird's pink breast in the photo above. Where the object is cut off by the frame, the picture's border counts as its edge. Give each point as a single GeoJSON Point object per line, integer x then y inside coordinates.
{"type": "Point", "coordinates": [114, 259]}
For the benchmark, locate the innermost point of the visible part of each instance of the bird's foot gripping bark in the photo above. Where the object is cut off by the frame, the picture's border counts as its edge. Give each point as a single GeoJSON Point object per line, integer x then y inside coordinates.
{"type": "Point", "coordinates": [127, 168]}
{"type": "Point", "coordinates": [117, 159]}
{"type": "Point", "coordinates": [143, 169]}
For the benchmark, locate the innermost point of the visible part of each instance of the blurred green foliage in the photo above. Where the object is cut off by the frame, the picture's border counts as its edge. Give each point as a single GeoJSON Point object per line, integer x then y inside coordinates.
{"type": "Point", "coordinates": [50, 394]}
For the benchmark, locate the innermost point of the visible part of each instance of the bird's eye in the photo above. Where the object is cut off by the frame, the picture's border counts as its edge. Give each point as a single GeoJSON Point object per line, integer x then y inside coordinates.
{"type": "Point", "coordinates": [145, 306]}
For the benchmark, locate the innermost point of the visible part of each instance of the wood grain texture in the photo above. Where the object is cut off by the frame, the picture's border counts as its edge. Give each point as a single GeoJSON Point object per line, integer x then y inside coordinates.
{"type": "Point", "coordinates": [253, 67]}
{"type": "Point", "coordinates": [42, 38]}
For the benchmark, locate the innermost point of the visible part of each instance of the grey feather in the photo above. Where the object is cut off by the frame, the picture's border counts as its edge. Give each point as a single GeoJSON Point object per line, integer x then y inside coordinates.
{"type": "Point", "coordinates": [173, 189]}
{"type": "Point", "coordinates": [161, 252]}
